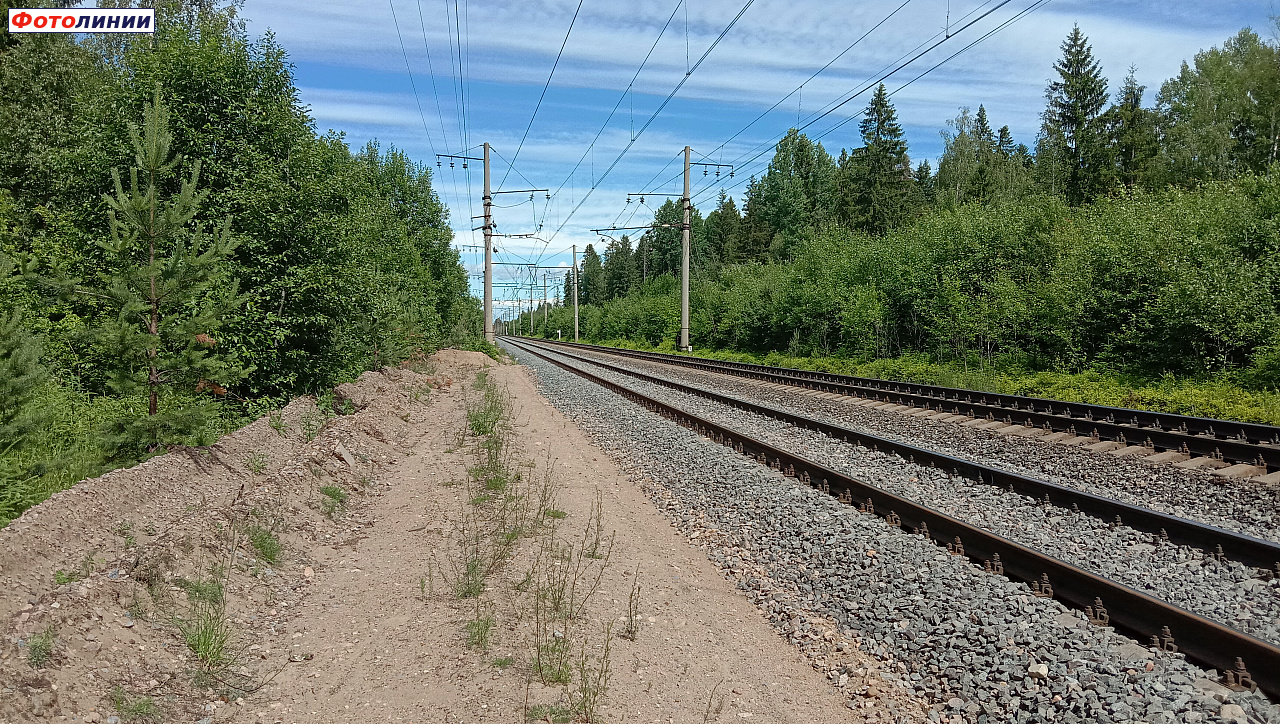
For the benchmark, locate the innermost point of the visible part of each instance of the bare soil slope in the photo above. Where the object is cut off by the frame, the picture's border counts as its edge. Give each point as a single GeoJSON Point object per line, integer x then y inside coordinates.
{"type": "Point", "coordinates": [357, 617]}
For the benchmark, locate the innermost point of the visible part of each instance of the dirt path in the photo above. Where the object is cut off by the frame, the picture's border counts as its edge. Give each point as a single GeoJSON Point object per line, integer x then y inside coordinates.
{"type": "Point", "coordinates": [359, 619]}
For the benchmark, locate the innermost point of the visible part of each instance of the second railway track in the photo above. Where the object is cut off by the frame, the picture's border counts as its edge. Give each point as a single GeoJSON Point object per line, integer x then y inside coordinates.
{"type": "Point", "coordinates": [1236, 449]}
{"type": "Point", "coordinates": [1136, 612]}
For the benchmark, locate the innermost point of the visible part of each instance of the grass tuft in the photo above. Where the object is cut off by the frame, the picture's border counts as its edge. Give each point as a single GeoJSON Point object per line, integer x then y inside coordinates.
{"type": "Point", "coordinates": [40, 648]}
{"type": "Point", "coordinates": [142, 709]}
{"type": "Point", "coordinates": [264, 542]}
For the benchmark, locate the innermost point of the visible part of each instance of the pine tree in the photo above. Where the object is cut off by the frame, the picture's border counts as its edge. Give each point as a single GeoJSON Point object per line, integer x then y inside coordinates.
{"type": "Point", "coordinates": [1132, 129]}
{"type": "Point", "coordinates": [169, 289]}
{"type": "Point", "coordinates": [1073, 132]}
{"type": "Point", "coordinates": [879, 172]}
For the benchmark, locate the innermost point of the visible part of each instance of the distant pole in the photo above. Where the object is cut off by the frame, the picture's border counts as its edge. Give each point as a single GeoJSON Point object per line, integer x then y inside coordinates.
{"type": "Point", "coordinates": [546, 310]}
{"type": "Point", "coordinates": [488, 251]}
{"type": "Point", "coordinates": [684, 260]}
{"type": "Point", "coordinates": [575, 292]}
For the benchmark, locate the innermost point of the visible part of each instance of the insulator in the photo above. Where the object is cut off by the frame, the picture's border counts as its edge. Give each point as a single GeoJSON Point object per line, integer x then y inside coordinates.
{"type": "Point", "coordinates": [464, 164]}
{"type": "Point", "coordinates": [704, 172]}
{"type": "Point", "coordinates": [437, 163]}
{"type": "Point", "coordinates": [717, 173]}
{"type": "Point", "coordinates": [451, 164]}
{"type": "Point", "coordinates": [730, 174]}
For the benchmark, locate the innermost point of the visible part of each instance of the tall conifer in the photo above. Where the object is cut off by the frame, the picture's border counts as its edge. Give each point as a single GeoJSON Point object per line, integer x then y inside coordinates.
{"type": "Point", "coordinates": [1073, 133]}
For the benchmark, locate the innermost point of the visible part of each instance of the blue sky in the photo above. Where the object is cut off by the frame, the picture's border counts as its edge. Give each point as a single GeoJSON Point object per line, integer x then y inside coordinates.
{"type": "Point", "coordinates": [484, 75]}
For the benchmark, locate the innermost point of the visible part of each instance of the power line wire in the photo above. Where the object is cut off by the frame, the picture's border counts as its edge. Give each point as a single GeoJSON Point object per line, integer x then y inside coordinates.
{"type": "Point", "coordinates": [1006, 23]}
{"type": "Point", "coordinates": [621, 98]}
{"type": "Point", "coordinates": [545, 86]}
{"type": "Point", "coordinates": [688, 74]}
{"type": "Point", "coordinates": [412, 84]}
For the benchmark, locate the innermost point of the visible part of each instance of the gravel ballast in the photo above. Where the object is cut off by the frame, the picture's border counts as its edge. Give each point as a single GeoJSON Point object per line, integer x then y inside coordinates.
{"type": "Point", "coordinates": [1225, 591]}
{"type": "Point", "coordinates": [1195, 494]}
{"type": "Point", "coordinates": [978, 647]}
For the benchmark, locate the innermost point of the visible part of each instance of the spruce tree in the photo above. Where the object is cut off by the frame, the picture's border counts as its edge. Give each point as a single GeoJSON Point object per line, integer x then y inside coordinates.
{"type": "Point", "coordinates": [1133, 133]}
{"type": "Point", "coordinates": [1073, 132]}
{"type": "Point", "coordinates": [982, 132]}
{"type": "Point", "coordinates": [21, 376]}
{"type": "Point", "coordinates": [880, 171]}
{"type": "Point", "coordinates": [722, 228]}
{"type": "Point", "coordinates": [592, 280]}
{"type": "Point", "coordinates": [619, 268]}
{"type": "Point", "coordinates": [568, 288]}
{"type": "Point", "coordinates": [167, 292]}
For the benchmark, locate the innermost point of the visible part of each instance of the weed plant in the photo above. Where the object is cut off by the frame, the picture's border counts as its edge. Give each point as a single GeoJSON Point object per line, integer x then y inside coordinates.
{"type": "Point", "coordinates": [207, 590]}
{"type": "Point", "coordinates": [311, 423]}
{"type": "Point", "coordinates": [479, 628]}
{"type": "Point", "coordinates": [275, 418]}
{"type": "Point", "coordinates": [40, 648]}
{"type": "Point", "coordinates": [257, 462]}
{"type": "Point", "coordinates": [592, 677]}
{"type": "Point", "coordinates": [333, 501]}
{"type": "Point", "coordinates": [141, 709]}
{"type": "Point", "coordinates": [631, 631]}
{"type": "Point", "coordinates": [265, 543]}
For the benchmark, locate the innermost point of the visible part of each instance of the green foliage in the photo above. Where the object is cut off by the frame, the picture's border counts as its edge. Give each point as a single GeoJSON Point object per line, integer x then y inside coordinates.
{"type": "Point", "coordinates": [21, 379]}
{"type": "Point", "coordinates": [1180, 283]}
{"type": "Point", "coordinates": [1219, 115]}
{"type": "Point", "coordinates": [343, 256]}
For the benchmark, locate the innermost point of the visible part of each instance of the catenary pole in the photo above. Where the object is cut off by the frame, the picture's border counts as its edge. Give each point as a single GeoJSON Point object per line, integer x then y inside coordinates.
{"type": "Point", "coordinates": [546, 309]}
{"type": "Point", "coordinates": [488, 251]}
{"type": "Point", "coordinates": [575, 292]}
{"type": "Point", "coordinates": [684, 259]}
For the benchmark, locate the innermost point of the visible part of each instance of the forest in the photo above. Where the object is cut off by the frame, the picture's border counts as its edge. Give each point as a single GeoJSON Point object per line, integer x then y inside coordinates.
{"type": "Point", "coordinates": [181, 250]}
{"type": "Point", "coordinates": [1137, 245]}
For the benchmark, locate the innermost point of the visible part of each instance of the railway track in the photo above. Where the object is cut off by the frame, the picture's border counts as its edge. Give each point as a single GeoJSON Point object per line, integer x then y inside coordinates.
{"type": "Point", "coordinates": [1235, 449]}
{"type": "Point", "coordinates": [1246, 660]}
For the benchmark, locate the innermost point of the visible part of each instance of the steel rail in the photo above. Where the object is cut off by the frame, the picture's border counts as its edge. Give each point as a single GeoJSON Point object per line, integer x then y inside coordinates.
{"type": "Point", "coordinates": [1238, 442]}
{"type": "Point", "coordinates": [1237, 546]}
{"type": "Point", "coordinates": [1144, 617]}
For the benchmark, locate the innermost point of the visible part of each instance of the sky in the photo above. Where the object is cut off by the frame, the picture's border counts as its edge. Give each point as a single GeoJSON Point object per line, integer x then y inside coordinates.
{"type": "Point", "coordinates": [573, 95]}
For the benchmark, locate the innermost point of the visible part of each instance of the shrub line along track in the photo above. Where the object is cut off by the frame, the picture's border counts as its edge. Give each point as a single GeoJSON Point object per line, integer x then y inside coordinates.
{"type": "Point", "coordinates": [1142, 616]}
{"type": "Point", "coordinates": [1238, 442]}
